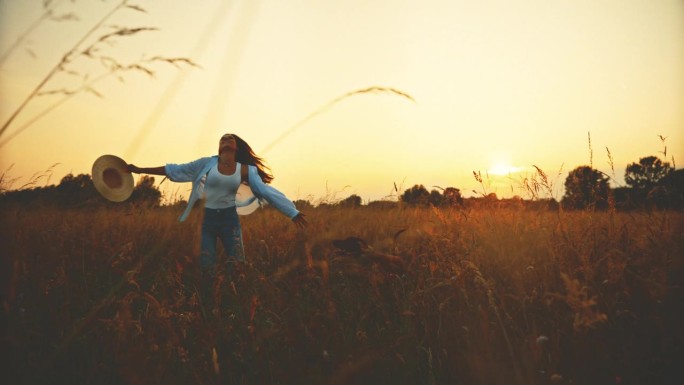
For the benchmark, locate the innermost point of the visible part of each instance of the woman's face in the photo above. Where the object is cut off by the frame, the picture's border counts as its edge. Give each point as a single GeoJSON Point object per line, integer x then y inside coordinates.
{"type": "Point", "coordinates": [227, 143]}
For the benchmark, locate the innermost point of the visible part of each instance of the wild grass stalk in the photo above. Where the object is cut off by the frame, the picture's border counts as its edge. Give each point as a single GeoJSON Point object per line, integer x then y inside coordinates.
{"type": "Point", "coordinates": [49, 8]}
{"type": "Point", "coordinates": [88, 47]}
{"type": "Point", "coordinates": [327, 106]}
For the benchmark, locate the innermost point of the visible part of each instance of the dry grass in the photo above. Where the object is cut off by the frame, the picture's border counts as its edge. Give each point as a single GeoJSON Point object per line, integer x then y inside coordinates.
{"type": "Point", "coordinates": [486, 297]}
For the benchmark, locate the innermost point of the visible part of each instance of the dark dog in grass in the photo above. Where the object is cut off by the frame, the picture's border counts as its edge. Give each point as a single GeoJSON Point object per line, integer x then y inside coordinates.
{"type": "Point", "coordinates": [360, 250]}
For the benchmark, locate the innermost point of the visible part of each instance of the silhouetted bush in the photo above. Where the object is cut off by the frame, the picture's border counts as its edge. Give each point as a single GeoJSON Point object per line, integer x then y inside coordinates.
{"type": "Point", "coordinates": [586, 188]}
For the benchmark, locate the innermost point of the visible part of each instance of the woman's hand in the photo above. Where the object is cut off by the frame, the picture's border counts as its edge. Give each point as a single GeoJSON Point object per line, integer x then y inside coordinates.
{"type": "Point", "coordinates": [300, 221]}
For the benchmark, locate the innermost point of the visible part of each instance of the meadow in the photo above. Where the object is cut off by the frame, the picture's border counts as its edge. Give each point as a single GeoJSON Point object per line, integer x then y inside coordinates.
{"type": "Point", "coordinates": [441, 296]}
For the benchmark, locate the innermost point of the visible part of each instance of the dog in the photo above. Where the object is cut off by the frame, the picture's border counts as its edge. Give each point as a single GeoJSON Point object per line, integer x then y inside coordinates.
{"type": "Point", "coordinates": [360, 250]}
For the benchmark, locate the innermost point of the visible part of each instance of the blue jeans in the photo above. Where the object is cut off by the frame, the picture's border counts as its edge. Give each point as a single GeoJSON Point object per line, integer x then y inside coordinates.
{"type": "Point", "coordinates": [223, 224]}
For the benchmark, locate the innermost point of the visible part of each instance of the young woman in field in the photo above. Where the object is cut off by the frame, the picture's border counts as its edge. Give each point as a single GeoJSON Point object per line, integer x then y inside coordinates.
{"type": "Point", "coordinates": [216, 179]}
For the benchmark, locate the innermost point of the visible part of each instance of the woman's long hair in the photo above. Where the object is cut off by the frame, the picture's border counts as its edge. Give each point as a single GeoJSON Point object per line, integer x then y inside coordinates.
{"type": "Point", "coordinates": [245, 155]}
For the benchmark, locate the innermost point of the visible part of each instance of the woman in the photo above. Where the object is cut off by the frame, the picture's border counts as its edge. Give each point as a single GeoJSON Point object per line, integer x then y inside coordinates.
{"type": "Point", "coordinates": [216, 179]}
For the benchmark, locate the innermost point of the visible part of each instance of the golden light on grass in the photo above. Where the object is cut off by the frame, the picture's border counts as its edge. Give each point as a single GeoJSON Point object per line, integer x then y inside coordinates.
{"type": "Point", "coordinates": [492, 296]}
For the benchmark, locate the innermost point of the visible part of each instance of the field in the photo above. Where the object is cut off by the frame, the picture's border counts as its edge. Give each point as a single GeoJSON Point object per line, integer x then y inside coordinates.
{"type": "Point", "coordinates": [487, 296]}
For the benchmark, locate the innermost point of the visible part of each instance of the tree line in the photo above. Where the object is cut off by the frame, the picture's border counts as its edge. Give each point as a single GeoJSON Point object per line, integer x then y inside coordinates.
{"type": "Point", "coordinates": [650, 183]}
{"type": "Point", "coordinates": [79, 192]}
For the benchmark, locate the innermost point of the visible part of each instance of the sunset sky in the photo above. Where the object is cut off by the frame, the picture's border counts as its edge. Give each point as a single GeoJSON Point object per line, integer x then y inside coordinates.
{"type": "Point", "coordinates": [499, 86]}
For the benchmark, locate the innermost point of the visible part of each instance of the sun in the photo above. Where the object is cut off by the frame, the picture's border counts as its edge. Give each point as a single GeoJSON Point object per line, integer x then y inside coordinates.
{"type": "Point", "coordinates": [501, 164]}
{"type": "Point", "coordinates": [503, 169]}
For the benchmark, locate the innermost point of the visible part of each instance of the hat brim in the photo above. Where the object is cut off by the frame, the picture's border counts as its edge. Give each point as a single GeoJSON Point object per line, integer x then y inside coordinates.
{"type": "Point", "coordinates": [245, 200]}
{"type": "Point", "coordinates": [111, 178]}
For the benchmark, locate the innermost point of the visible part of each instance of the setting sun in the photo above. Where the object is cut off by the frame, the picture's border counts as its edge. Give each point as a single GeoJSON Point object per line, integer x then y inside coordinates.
{"type": "Point", "coordinates": [503, 169]}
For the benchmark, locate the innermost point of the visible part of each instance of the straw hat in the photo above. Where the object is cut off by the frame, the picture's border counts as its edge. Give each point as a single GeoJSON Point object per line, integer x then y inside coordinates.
{"type": "Point", "coordinates": [111, 178]}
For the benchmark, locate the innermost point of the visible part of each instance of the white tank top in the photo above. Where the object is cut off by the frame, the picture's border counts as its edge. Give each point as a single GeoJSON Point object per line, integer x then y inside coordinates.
{"type": "Point", "coordinates": [220, 190]}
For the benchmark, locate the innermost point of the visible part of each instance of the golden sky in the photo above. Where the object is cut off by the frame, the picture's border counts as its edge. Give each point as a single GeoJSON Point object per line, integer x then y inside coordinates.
{"type": "Point", "coordinates": [498, 85]}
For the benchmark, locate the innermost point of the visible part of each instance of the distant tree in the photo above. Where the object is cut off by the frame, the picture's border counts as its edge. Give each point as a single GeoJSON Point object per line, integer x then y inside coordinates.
{"type": "Point", "coordinates": [32, 196]}
{"type": "Point", "coordinates": [452, 196]}
{"type": "Point", "coordinates": [551, 204]}
{"type": "Point", "coordinates": [382, 205]}
{"type": "Point", "coordinates": [436, 198]}
{"type": "Point", "coordinates": [647, 173]}
{"type": "Point", "coordinates": [416, 195]}
{"type": "Point", "coordinates": [674, 179]}
{"type": "Point", "coordinates": [586, 188]}
{"type": "Point", "coordinates": [419, 195]}
{"type": "Point", "coordinates": [303, 204]}
{"type": "Point", "coordinates": [351, 201]}
{"type": "Point", "coordinates": [626, 198]}
{"type": "Point", "coordinates": [75, 190]}
{"type": "Point", "coordinates": [669, 192]}
{"type": "Point", "coordinates": [145, 192]}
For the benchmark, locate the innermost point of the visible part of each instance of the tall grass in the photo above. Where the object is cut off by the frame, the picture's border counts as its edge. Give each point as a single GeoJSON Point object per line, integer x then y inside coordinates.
{"type": "Point", "coordinates": [486, 297]}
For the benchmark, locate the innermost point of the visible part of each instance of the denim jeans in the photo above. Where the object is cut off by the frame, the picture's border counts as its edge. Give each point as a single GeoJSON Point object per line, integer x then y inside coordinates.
{"type": "Point", "coordinates": [222, 224]}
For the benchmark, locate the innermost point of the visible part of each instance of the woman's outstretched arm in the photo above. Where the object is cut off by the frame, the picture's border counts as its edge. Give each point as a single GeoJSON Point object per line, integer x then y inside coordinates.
{"type": "Point", "coordinates": [161, 170]}
{"type": "Point", "coordinates": [274, 197]}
